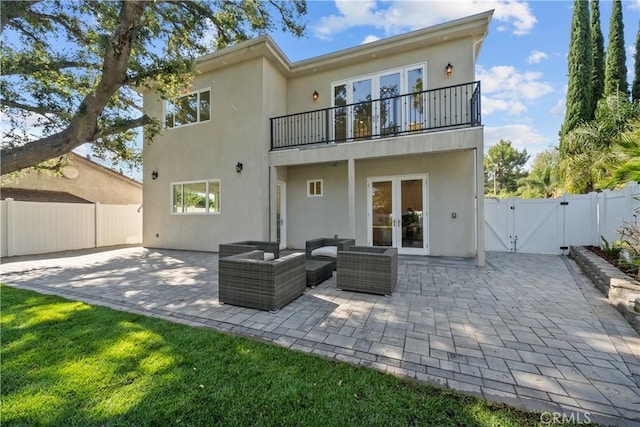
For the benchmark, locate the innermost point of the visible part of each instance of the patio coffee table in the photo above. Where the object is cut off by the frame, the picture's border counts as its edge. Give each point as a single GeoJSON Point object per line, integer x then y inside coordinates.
{"type": "Point", "coordinates": [318, 271]}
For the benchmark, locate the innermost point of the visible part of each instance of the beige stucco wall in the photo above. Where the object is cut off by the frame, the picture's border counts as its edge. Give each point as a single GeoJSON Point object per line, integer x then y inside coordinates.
{"type": "Point", "coordinates": [93, 182]}
{"type": "Point", "coordinates": [313, 217]}
{"type": "Point", "coordinates": [237, 132]}
{"type": "Point", "coordinates": [457, 52]}
{"type": "Point", "coordinates": [450, 188]}
{"type": "Point", "coordinates": [450, 178]}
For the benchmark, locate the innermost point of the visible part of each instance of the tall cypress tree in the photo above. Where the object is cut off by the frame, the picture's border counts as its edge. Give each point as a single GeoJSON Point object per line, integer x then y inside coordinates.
{"type": "Point", "coordinates": [597, 74]}
{"type": "Point", "coordinates": [635, 89]}
{"type": "Point", "coordinates": [578, 106]}
{"type": "Point", "coordinates": [615, 72]}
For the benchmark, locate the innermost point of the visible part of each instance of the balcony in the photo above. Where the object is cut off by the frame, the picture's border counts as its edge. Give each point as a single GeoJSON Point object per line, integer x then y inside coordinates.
{"type": "Point", "coordinates": [414, 113]}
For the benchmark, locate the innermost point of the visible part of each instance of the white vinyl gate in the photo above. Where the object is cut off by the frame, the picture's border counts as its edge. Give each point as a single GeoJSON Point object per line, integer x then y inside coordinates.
{"type": "Point", "coordinates": [551, 225]}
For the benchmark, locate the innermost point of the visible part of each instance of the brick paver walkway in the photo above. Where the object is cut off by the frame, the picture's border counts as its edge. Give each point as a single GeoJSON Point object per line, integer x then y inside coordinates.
{"type": "Point", "coordinates": [527, 330]}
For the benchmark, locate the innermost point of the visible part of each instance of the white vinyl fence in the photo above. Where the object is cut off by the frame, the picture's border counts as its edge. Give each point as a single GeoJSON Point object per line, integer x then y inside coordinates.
{"type": "Point", "coordinates": [552, 225]}
{"type": "Point", "coordinates": [28, 228]}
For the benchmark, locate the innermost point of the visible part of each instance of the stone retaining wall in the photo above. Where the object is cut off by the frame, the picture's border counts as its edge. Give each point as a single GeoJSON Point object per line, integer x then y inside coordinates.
{"type": "Point", "coordinates": [623, 291]}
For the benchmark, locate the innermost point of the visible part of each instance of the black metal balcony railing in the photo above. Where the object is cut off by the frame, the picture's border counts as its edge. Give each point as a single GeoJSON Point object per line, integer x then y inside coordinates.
{"type": "Point", "coordinates": [434, 109]}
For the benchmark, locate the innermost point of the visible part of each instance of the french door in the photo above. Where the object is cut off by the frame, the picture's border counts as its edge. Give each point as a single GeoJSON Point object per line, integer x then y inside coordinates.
{"type": "Point", "coordinates": [371, 105]}
{"type": "Point", "coordinates": [398, 213]}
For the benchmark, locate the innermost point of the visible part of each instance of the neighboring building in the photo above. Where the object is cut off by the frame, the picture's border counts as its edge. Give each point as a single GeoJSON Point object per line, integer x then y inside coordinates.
{"type": "Point", "coordinates": [80, 181]}
{"type": "Point", "coordinates": [382, 142]}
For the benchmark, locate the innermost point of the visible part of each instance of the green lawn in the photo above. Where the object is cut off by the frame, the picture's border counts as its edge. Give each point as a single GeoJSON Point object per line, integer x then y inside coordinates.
{"type": "Point", "coordinates": [69, 363]}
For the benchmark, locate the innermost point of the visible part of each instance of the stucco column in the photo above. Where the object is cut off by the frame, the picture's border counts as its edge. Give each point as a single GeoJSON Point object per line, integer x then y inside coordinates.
{"type": "Point", "coordinates": [273, 229]}
{"type": "Point", "coordinates": [481, 257]}
{"type": "Point", "coordinates": [351, 196]}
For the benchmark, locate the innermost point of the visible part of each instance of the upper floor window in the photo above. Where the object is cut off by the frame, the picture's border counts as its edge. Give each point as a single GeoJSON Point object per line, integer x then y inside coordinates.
{"type": "Point", "coordinates": [376, 104]}
{"type": "Point", "coordinates": [196, 197]}
{"type": "Point", "coordinates": [192, 108]}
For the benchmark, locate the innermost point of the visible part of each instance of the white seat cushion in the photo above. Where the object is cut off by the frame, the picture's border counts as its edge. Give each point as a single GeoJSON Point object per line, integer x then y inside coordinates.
{"type": "Point", "coordinates": [268, 256]}
{"type": "Point", "coordinates": [330, 251]}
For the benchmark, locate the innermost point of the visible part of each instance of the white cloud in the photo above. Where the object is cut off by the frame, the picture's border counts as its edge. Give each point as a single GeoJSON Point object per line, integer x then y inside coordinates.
{"type": "Point", "coordinates": [520, 135]}
{"type": "Point", "coordinates": [370, 39]}
{"type": "Point", "coordinates": [504, 88]}
{"type": "Point", "coordinates": [351, 14]}
{"type": "Point", "coordinates": [493, 105]}
{"type": "Point", "coordinates": [397, 16]}
{"type": "Point", "coordinates": [537, 56]}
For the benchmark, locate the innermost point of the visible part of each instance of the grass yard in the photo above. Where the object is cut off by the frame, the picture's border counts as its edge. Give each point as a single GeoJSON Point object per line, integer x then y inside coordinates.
{"type": "Point", "coordinates": [67, 363]}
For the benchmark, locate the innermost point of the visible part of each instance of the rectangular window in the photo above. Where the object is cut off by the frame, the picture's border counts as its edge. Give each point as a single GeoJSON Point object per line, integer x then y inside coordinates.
{"type": "Point", "coordinates": [188, 109]}
{"type": "Point", "coordinates": [196, 197]}
{"type": "Point", "coordinates": [314, 188]}
{"type": "Point", "coordinates": [383, 104]}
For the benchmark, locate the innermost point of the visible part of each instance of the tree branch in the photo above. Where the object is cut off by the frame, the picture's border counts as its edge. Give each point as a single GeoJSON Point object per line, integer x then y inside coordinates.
{"type": "Point", "coordinates": [47, 148]}
{"type": "Point", "coordinates": [11, 10]}
{"type": "Point", "coordinates": [34, 109]}
{"type": "Point", "coordinates": [124, 126]}
{"type": "Point", "coordinates": [83, 127]}
{"type": "Point", "coordinates": [11, 68]}
{"type": "Point", "coordinates": [70, 28]}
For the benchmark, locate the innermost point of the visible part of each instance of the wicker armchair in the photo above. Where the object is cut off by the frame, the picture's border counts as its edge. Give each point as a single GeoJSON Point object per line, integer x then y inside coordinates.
{"type": "Point", "coordinates": [368, 269]}
{"type": "Point", "coordinates": [228, 249]}
{"type": "Point", "coordinates": [342, 244]}
{"type": "Point", "coordinates": [247, 280]}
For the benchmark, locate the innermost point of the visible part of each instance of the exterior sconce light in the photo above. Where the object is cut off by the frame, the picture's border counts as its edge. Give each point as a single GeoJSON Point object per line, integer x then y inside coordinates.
{"type": "Point", "coordinates": [448, 70]}
{"type": "Point", "coordinates": [154, 175]}
{"type": "Point", "coordinates": [315, 96]}
{"type": "Point", "coordinates": [238, 167]}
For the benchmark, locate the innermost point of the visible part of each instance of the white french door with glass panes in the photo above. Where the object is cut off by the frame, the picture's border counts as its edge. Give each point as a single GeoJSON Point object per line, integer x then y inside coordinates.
{"type": "Point", "coordinates": [370, 106]}
{"type": "Point", "coordinates": [397, 213]}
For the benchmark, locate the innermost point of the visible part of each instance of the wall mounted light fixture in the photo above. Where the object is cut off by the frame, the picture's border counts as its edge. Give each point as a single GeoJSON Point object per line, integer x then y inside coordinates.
{"type": "Point", "coordinates": [315, 96]}
{"type": "Point", "coordinates": [154, 175]}
{"type": "Point", "coordinates": [238, 167]}
{"type": "Point", "coordinates": [448, 70]}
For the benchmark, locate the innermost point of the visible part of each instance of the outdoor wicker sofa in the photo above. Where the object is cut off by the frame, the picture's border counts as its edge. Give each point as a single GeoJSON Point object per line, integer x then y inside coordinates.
{"type": "Point", "coordinates": [325, 242]}
{"type": "Point", "coordinates": [248, 280]}
{"type": "Point", "coordinates": [228, 249]}
{"type": "Point", "coordinates": [367, 269]}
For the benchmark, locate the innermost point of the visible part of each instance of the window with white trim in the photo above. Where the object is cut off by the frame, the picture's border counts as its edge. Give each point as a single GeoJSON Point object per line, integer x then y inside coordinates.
{"type": "Point", "coordinates": [195, 197]}
{"type": "Point", "coordinates": [371, 104]}
{"type": "Point", "coordinates": [314, 188]}
{"type": "Point", "coordinates": [192, 108]}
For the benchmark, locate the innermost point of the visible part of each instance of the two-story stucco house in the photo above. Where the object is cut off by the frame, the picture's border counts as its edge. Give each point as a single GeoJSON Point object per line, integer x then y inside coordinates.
{"type": "Point", "coordinates": [382, 142]}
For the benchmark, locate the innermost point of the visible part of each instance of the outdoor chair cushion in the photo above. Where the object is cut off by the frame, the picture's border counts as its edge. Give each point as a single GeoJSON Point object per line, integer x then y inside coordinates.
{"type": "Point", "coordinates": [330, 251]}
{"type": "Point", "coordinates": [268, 256]}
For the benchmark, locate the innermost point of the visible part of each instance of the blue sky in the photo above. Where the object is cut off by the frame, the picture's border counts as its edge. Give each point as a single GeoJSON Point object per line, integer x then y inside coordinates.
{"type": "Point", "coordinates": [522, 64]}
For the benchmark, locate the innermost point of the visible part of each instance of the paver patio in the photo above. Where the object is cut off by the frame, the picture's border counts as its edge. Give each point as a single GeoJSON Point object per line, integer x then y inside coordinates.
{"type": "Point", "coordinates": [527, 330]}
